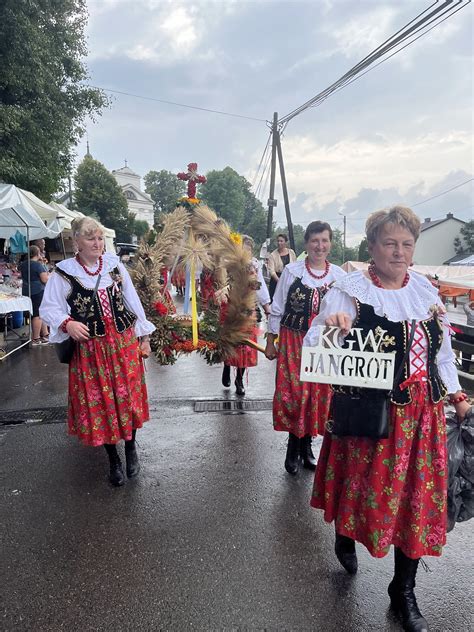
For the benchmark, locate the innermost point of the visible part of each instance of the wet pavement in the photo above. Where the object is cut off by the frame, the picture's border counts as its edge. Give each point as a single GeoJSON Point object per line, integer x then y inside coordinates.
{"type": "Point", "coordinates": [213, 535]}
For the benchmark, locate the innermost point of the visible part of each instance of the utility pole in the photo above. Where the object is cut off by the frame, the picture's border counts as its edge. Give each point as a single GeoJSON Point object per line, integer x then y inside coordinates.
{"type": "Point", "coordinates": [276, 151]}
{"type": "Point", "coordinates": [285, 193]}
{"type": "Point", "coordinates": [271, 196]}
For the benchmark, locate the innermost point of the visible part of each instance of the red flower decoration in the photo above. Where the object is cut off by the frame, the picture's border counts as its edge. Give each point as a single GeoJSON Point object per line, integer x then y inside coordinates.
{"type": "Point", "coordinates": [161, 309]}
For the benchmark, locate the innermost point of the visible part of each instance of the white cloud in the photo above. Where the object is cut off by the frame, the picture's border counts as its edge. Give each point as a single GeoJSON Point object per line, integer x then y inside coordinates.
{"type": "Point", "coordinates": [359, 35]}
{"type": "Point", "coordinates": [329, 171]}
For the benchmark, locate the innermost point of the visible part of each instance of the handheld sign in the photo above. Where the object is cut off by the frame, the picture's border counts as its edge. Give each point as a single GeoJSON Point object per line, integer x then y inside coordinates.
{"type": "Point", "coordinates": [330, 363]}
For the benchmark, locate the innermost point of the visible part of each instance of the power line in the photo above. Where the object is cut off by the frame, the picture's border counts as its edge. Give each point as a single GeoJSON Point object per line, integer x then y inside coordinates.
{"type": "Point", "coordinates": [181, 105]}
{"type": "Point", "coordinates": [393, 54]}
{"type": "Point", "coordinates": [444, 192]}
{"type": "Point", "coordinates": [261, 160]}
{"type": "Point", "coordinates": [420, 23]}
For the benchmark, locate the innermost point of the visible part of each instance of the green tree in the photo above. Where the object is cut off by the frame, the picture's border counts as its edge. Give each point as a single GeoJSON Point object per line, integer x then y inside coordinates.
{"type": "Point", "coordinates": [255, 216]}
{"type": "Point", "coordinates": [140, 228]}
{"type": "Point", "coordinates": [363, 250]}
{"type": "Point", "coordinates": [97, 193]}
{"type": "Point", "coordinates": [466, 244]}
{"type": "Point", "coordinates": [43, 98]}
{"type": "Point", "coordinates": [229, 195]}
{"type": "Point", "coordinates": [224, 192]}
{"type": "Point", "coordinates": [165, 190]}
{"type": "Point", "coordinates": [337, 248]}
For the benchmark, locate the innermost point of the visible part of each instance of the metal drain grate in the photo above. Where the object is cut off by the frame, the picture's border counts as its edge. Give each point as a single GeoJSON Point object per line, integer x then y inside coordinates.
{"type": "Point", "coordinates": [230, 405]}
{"type": "Point", "coordinates": [33, 415]}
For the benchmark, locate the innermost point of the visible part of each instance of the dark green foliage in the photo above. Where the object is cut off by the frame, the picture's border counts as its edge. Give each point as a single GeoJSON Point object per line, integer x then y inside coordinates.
{"type": "Point", "coordinates": [363, 250]}
{"type": "Point", "coordinates": [466, 244]}
{"type": "Point", "coordinates": [43, 101]}
{"type": "Point", "coordinates": [229, 195]}
{"type": "Point", "coordinates": [97, 193]}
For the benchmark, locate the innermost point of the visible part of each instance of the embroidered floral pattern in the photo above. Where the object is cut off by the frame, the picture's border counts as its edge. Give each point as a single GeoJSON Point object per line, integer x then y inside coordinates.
{"type": "Point", "coordinates": [107, 390]}
{"type": "Point", "coordinates": [392, 491]}
{"type": "Point", "coordinates": [82, 305]}
{"type": "Point", "coordinates": [301, 408]}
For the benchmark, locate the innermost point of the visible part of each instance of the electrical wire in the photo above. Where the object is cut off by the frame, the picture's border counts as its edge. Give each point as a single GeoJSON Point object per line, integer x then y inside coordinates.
{"type": "Point", "coordinates": [375, 54]}
{"type": "Point", "coordinates": [261, 160]}
{"type": "Point", "coordinates": [181, 105]}
{"type": "Point", "coordinates": [359, 76]}
{"type": "Point", "coordinates": [408, 32]}
{"type": "Point", "coordinates": [444, 192]}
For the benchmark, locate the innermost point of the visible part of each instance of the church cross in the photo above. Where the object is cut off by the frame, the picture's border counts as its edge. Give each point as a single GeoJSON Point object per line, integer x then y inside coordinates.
{"type": "Point", "coordinates": [193, 178]}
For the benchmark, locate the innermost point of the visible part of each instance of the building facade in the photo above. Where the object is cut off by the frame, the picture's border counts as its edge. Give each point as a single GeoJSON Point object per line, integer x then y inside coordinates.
{"type": "Point", "coordinates": [139, 202]}
{"type": "Point", "coordinates": [435, 244]}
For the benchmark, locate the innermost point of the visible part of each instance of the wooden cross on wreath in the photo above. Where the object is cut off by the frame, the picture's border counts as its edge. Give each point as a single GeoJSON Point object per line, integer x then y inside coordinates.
{"type": "Point", "coordinates": [193, 178]}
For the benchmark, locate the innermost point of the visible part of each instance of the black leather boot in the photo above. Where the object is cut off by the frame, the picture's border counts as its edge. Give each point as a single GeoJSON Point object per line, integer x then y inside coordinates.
{"type": "Point", "coordinates": [226, 375]}
{"type": "Point", "coordinates": [309, 462]}
{"type": "Point", "coordinates": [133, 464]}
{"type": "Point", "coordinates": [402, 596]}
{"type": "Point", "coordinates": [116, 476]}
{"type": "Point", "coordinates": [346, 553]}
{"type": "Point", "coordinates": [292, 454]}
{"type": "Point", "coordinates": [239, 382]}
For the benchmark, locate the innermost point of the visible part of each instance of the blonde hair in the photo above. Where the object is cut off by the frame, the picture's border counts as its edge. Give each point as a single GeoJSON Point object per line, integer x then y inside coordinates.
{"type": "Point", "coordinates": [85, 227]}
{"type": "Point", "coordinates": [397, 216]}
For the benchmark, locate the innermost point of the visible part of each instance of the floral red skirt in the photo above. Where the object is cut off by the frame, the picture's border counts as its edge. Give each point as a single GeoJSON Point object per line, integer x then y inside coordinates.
{"type": "Point", "coordinates": [301, 408]}
{"type": "Point", "coordinates": [107, 390]}
{"type": "Point", "coordinates": [391, 491]}
{"type": "Point", "coordinates": [244, 357]}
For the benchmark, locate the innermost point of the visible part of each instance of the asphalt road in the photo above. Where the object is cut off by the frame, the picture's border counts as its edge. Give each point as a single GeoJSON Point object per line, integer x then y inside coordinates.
{"type": "Point", "coordinates": [213, 535]}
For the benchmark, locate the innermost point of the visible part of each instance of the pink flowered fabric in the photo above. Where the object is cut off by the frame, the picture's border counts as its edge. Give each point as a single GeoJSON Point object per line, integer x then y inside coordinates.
{"type": "Point", "coordinates": [107, 390]}
{"type": "Point", "coordinates": [301, 408]}
{"type": "Point", "coordinates": [392, 491]}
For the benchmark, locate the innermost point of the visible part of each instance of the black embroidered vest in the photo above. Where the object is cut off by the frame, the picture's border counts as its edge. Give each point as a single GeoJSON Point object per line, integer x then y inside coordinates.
{"type": "Point", "coordinates": [395, 340]}
{"type": "Point", "coordinates": [79, 300]}
{"type": "Point", "coordinates": [302, 304]}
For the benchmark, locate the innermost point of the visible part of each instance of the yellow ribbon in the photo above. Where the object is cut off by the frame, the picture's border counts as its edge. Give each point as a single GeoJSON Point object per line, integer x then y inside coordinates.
{"type": "Point", "coordinates": [194, 312]}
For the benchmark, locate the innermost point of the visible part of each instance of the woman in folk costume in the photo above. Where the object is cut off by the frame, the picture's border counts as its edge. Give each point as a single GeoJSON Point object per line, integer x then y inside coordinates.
{"type": "Point", "coordinates": [178, 278]}
{"type": "Point", "coordinates": [91, 298]}
{"type": "Point", "coordinates": [392, 491]}
{"type": "Point", "coordinates": [244, 356]}
{"type": "Point", "coordinates": [277, 260]}
{"type": "Point", "coordinates": [300, 408]}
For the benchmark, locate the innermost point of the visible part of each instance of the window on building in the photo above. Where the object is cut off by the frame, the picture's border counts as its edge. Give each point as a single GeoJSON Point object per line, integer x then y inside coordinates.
{"type": "Point", "coordinates": [130, 196]}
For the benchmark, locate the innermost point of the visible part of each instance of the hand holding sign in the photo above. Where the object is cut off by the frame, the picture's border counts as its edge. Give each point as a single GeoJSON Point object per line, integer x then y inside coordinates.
{"type": "Point", "coordinates": [341, 320]}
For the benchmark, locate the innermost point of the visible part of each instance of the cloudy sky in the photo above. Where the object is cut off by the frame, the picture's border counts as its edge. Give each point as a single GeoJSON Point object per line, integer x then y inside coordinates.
{"type": "Point", "coordinates": [402, 133]}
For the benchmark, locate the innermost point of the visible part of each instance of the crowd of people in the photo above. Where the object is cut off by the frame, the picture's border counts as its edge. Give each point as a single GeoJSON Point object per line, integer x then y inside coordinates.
{"type": "Point", "coordinates": [379, 491]}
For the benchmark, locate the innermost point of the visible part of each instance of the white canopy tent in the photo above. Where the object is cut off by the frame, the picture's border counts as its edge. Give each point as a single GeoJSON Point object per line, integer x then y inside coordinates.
{"type": "Point", "coordinates": [467, 261]}
{"type": "Point", "coordinates": [19, 211]}
{"type": "Point", "coordinates": [65, 217]}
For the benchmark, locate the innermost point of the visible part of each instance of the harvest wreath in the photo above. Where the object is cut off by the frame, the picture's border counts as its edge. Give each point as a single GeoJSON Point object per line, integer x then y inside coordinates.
{"type": "Point", "coordinates": [195, 237]}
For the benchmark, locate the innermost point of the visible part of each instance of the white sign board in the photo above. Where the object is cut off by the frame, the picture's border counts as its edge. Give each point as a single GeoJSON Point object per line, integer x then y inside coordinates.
{"type": "Point", "coordinates": [329, 363]}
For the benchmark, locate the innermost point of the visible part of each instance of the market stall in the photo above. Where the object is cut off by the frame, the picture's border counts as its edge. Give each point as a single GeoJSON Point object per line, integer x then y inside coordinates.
{"type": "Point", "coordinates": [19, 224]}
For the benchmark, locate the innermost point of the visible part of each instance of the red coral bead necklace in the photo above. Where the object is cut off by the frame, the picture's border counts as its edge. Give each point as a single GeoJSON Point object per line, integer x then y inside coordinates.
{"type": "Point", "coordinates": [317, 276]}
{"type": "Point", "coordinates": [376, 280]}
{"type": "Point", "coordinates": [98, 271]}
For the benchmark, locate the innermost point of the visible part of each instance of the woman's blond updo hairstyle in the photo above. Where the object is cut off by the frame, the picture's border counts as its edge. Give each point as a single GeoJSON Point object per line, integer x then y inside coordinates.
{"type": "Point", "coordinates": [397, 216]}
{"type": "Point", "coordinates": [85, 227]}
